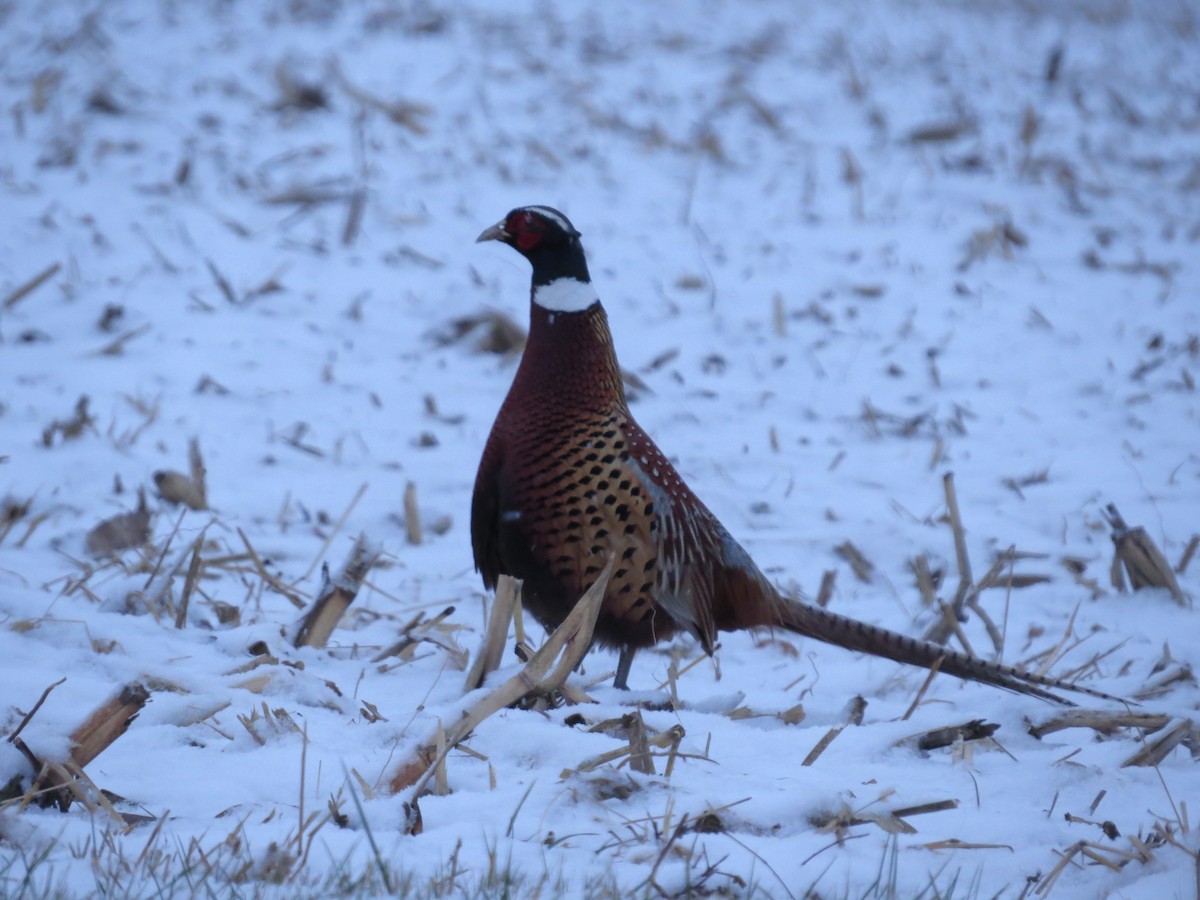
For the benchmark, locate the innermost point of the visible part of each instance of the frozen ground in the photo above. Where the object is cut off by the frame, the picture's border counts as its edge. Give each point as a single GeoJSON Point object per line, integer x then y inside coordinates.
{"type": "Point", "coordinates": [848, 248]}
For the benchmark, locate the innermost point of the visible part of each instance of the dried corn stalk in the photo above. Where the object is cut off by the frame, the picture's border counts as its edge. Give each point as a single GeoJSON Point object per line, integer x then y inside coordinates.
{"type": "Point", "coordinates": [57, 782]}
{"type": "Point", "coordinates": [1142, 560]}
{"type": "Point", "coordinates": [487, 660]}
{"type": "Point", "coordinates": [336, 595]}
{"type": "Point", "coordinates": [1100, 721]}
{"type": "Point", "coordinates": [545, 672]}
{"type": "Point", "coordinates": [1154, 752]}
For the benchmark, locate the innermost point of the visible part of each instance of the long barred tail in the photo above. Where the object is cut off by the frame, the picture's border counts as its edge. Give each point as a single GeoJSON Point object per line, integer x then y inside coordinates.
{"type": "Point", "coordinates": [842, 631]}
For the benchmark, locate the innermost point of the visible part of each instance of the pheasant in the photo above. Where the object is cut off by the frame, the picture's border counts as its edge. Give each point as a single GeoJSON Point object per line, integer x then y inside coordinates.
{"type": "Point", "coordinates": [569, 479]}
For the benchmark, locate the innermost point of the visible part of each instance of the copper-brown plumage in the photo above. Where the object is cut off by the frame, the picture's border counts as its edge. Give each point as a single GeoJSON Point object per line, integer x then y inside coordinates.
{"type": "Point", "coordinates": [569, 478]}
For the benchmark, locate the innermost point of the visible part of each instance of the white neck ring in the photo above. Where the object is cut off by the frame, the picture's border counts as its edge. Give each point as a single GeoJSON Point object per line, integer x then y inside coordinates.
{"type": "Point", "coordinates": [565, 295]}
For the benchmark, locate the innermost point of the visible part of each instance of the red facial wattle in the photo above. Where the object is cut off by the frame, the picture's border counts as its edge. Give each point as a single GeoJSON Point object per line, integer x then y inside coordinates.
{"type": "Point", "coordinates": [525, 231]}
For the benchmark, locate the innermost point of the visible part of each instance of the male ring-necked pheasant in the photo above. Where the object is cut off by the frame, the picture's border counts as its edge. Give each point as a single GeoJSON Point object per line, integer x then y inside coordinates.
{"type": "Point", "coordinates": [568, 478]}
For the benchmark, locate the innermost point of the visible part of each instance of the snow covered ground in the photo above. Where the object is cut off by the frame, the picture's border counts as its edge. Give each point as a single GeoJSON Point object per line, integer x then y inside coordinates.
{"type": "Point", "coordinates": [848, 248]}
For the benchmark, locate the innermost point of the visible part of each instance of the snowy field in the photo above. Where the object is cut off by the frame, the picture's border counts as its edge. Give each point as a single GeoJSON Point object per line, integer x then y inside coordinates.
{"type": "Point", "coordinates": [845, 248]}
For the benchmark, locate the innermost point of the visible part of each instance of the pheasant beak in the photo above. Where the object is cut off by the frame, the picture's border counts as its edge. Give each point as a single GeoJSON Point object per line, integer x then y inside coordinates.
{"type": "Point", "coordinates": [495, 233]}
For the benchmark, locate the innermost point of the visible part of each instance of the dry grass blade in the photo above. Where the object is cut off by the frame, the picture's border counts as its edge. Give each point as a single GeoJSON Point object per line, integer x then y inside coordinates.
{"type": "Point", "coordinates": [854, 717]}
{"type": "Point", "coordinates": [951, 622]}
{"type": "Point", "coordinates": [1179, 674]}
{"type": "Point", "coordinates": [1109, 828]}
{"type": "Point", "coordinates": [197, 470]}
{"type": "Point", "coordinates": [441, 781]}
{"type": "Point", "coordinates": [154, 595]}
{"type": "Point", "coordinates": [81, 779]}
{"type": "Point", "coordinates": [221, 282]}
{"type": "Point", "coordinates": [989, 626]}
{"type": "Point", "coordinates": [266, 576]}
{"type": "Point", "coordinates": [922, 690]}
{"type": "Point", "coordinates": [1099, 855]}
{"type": "Point", "coordinates": [12, 511]}
{"type": "Point", "coordinates": [852, 174]}
{"type": "Point", "coordinates": [249, 723]}
{"type": "Point", "coordinates": [669, 739]}
{"type": "Point", "coordinates": [189, 583]}
{"type": "Point", "coordinates": [403, 112]}
{"type": "Point", "coordinates": [924, 578]}
{"type": "Point", "coordinates": [31, 527]}
{"type": "Point", "coordinates": [863, 568]}
{"type": "Point", "coordinates": [892, 822]}
{"type": "Point", "coordinates": [922, 809]}
{"type": "Point", "coordinates": [354, 213]}
{"type": "Point", "coordinates": [779, 315]}
{"type": "Point", "coordinates": [333, 532]}
{"type": "Point", "coordinates": [677, 735]}
{"type": "Point", "coordinates": [956, 844]}
{"type": "Point", "coordinates": [336, 595]}
{"type": "Point", "coordinates": [55, 785]}
{"type": "Point", "coordinates": [1033, 478]}
{"type": "Point", "coordinates": [1078, 569]}
{"type": "Point", "coordinates": [571, 639]}
{"type": "Point", "coordinates": [1018, 582]}
{"type": "Point", "coordinates": [1051, 656]}
{"type": "Point", "coordinates": [941, 132]}
{"type": "Point", "coordinates": [1188, 552]}
{"type": "Point", "coordinates": [1047, 883]}
{"type": "Point", "coordinates": [939, 632]}
{"type": "Point", "coordinates": [332, 191]}
{"type": "Point", "coordinates": [116, 347]}
{"type": "Point", "coordinates": [28, 717]}
{"type": "Point", "coordinates": [416, 630]}
{"type": "Point", "coordinates": [678, 832]}
{"type": "Point", "coordinates": [22, 291]}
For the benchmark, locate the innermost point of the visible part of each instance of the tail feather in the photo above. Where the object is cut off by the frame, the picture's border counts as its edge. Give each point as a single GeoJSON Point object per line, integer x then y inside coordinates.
{"type": "Point", "coordinates": [842, 631]}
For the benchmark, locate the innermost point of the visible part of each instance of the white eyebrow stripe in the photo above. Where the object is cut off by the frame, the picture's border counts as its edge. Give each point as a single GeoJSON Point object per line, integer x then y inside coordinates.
{"type": "Point", "coordinates": [565, 295]}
